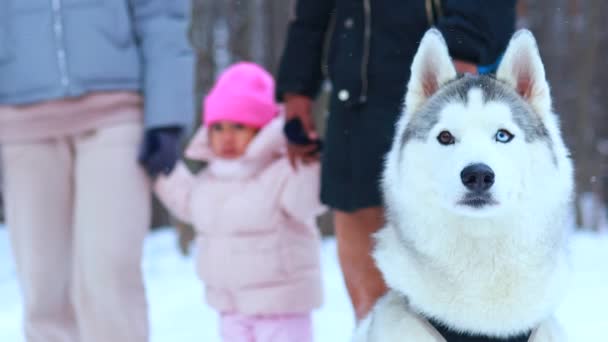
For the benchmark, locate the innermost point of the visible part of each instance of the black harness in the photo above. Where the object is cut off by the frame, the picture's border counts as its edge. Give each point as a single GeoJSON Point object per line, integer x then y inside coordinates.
{"type": "Point", "coordinates": [454, 336]}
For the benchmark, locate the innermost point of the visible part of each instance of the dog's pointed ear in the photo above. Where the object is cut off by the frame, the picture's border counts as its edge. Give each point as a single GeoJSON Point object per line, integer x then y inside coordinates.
{"type": "Point", "coordinates": [522, 68]}
{"type": "Point", "coordinates": [431, 68]}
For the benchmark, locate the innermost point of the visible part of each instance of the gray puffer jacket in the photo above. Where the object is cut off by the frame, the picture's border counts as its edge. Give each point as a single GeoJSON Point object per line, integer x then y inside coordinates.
{"type": "Point", "coordinates": [51, 49]}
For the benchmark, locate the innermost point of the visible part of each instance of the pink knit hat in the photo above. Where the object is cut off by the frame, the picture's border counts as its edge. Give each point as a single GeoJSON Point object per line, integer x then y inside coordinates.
{"type": "Point", "coordinates": [244, 93]}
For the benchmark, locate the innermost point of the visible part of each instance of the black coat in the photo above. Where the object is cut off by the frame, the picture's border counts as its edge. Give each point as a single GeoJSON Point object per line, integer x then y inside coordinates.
{"type": "Point", "coordinates": [373, 42]}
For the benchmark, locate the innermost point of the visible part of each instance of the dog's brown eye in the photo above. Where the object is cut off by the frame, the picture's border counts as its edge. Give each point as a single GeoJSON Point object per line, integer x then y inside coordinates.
{"type": "Point", "coordinates": [446, 138]}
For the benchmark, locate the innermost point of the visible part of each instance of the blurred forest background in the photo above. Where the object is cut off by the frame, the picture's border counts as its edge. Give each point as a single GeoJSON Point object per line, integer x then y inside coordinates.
{"type": "Point", "coordinates": [573, 40]}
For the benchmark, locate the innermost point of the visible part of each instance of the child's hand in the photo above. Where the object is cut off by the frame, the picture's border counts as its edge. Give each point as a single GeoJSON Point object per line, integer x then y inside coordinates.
{"type": "Point", "coordinates": [299, 143]}
{"type": "Point", "coordinates": [160, 150]}
{"type": "Point", "coordinates": [300, 106]}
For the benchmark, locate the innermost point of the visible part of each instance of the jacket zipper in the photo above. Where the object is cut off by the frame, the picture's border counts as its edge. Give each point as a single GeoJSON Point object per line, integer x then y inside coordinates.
{"type": "Point", "coordinates": [327, 44]}
{"type": "Point", "coordinates": [367, 34]}
{"type": "Point", "coordinates": [60, 45]}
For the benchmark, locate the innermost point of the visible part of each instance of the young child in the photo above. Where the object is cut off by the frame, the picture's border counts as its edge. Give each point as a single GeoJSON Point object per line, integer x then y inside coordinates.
{"type": "Point", "coordinates": [258, 246]}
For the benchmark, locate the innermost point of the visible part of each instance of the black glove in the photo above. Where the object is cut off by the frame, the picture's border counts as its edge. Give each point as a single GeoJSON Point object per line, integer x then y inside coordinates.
{"type": "Point", "coordinates": [294, 131]}
{"type": "Point", "coordinates": [160, 150]}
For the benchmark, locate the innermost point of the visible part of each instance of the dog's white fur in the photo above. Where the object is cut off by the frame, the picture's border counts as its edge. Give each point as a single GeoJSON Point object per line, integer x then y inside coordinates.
{"type": "Point", "coordinates": [498, 270]}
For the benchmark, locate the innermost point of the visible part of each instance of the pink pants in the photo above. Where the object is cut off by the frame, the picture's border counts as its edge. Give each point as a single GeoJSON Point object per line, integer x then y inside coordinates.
{"type": "Point", "coordinates": [78, 210]}
{"type": "Point", "coordinates": [266, 328]}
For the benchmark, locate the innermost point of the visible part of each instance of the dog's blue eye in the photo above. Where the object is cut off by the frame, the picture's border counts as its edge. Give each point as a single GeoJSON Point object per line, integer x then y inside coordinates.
{"type": "Point", "coordinates": [504, 136]}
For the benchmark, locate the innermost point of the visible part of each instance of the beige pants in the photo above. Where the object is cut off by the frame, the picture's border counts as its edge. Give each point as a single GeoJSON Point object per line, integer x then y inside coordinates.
{"type": "Point", "coordinates": [78, 210]}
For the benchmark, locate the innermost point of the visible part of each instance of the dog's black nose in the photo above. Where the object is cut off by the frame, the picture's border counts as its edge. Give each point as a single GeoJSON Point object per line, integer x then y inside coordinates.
{"type": "Point", "coordinates": [477, 177]}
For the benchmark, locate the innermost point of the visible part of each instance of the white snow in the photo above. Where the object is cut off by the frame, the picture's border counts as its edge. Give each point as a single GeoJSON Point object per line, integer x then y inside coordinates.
{"type": "Point", "coordinates": [178, 312]}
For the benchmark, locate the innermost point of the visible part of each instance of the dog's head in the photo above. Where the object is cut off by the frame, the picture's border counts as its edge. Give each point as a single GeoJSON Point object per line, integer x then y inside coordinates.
{"type": "Point", "coordinates": [477, 146]}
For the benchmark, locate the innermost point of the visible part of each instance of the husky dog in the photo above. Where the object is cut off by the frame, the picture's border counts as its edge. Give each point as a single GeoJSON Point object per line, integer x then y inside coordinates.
{"type": "Point", "coordinates": [478, 186]}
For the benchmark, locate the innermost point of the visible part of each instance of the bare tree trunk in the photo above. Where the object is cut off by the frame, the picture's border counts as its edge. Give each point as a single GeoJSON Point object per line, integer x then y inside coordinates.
{"type": "Point", "coordinates": [588, 160]}
{"type": "Point", "coordinates": [226, 31]}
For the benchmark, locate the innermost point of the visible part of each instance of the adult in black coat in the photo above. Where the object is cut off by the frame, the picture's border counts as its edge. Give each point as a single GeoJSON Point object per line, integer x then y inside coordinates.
{"type": "Point", "coordinates": [371, 47]}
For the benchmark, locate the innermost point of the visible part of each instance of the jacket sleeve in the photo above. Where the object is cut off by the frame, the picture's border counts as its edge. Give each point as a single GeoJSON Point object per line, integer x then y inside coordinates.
{"type": "Point", "coordinates": [477, 31]}
{"type": "Point", "coordinates": [300, 198]}
{"type": "Point", "coordinates": [167, 61]}
{"type": "Point", "coordinates": [174, 192]}
{"type": "Point", "coordinates": [300, 68]}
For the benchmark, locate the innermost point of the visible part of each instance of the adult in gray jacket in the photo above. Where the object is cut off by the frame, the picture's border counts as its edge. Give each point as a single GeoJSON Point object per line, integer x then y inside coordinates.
{"type": "Point", "coordinates": [93, 93]}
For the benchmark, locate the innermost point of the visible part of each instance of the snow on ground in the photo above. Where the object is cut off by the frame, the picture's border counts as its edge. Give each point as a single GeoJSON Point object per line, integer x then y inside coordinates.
{"type": "Point", "coordinates": [177, 311]}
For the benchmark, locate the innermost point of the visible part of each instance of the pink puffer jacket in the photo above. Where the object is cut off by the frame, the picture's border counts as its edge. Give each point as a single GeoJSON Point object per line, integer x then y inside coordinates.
{"type": "Point", "coordinates": [258, 245]}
